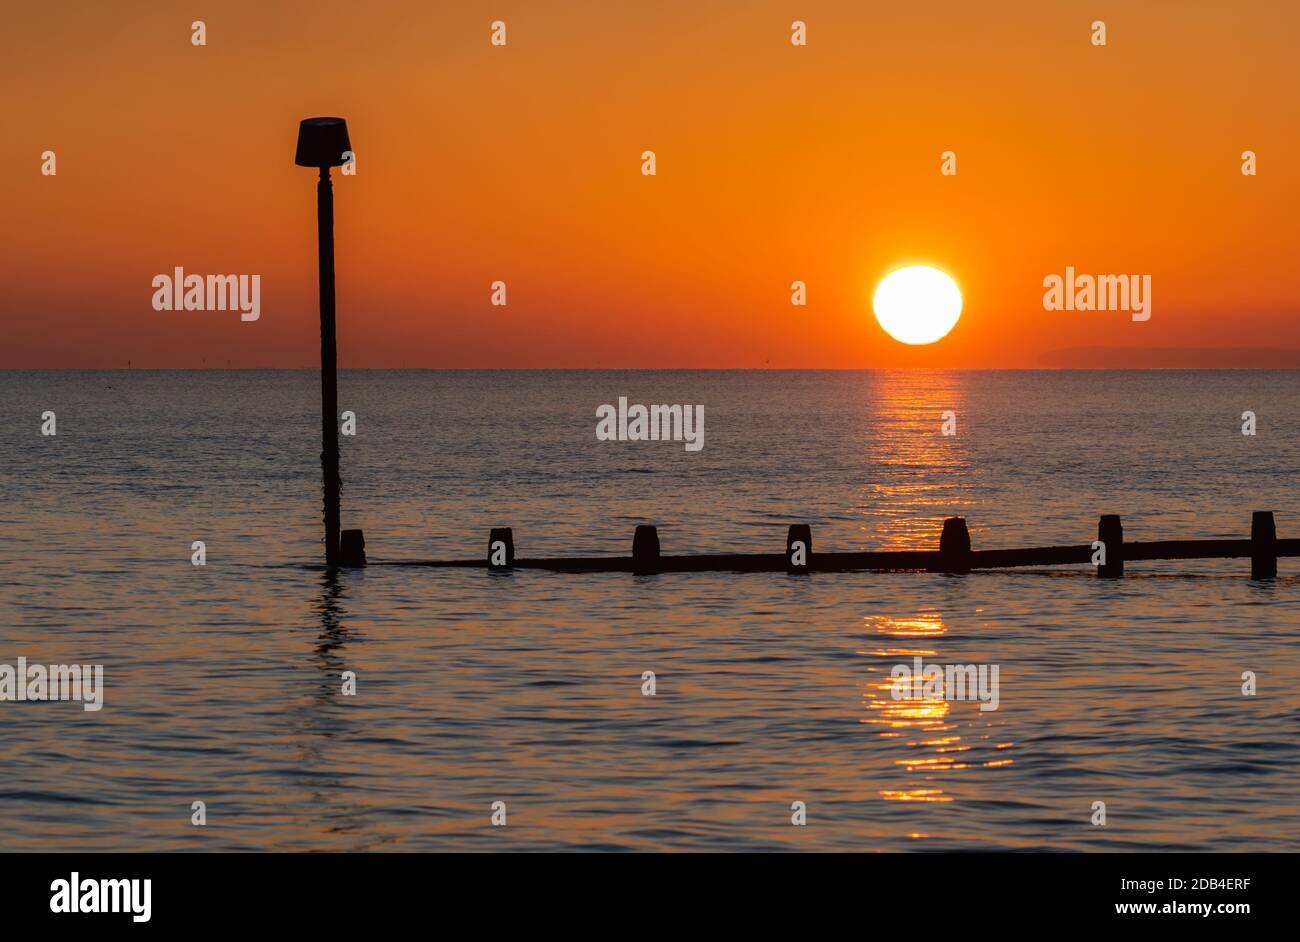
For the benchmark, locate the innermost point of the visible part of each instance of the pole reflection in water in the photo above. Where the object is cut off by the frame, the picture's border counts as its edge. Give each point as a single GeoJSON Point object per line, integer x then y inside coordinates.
{"type": "Point", "coordinates": [323, 721]}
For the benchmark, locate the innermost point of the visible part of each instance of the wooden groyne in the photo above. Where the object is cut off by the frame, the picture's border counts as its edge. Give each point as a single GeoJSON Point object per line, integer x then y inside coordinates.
{"type": "Point", "coordinates": [1108, 553]}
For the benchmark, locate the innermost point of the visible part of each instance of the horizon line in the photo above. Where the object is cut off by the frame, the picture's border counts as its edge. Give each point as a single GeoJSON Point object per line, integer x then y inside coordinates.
{"type": "Point", "coordinates": [652, 369]}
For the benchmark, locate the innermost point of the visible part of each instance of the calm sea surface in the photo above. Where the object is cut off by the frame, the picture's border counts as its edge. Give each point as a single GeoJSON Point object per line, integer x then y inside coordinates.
{"type": "Point", "coordinates": [223, 682]}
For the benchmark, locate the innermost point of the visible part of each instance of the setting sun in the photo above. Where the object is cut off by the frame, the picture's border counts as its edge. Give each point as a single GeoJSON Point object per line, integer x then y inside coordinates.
{"type": "Point", "coordinates": [917, 305]}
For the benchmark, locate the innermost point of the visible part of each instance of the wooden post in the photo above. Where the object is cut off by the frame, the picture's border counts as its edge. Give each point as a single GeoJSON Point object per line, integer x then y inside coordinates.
{"type": "Point", "coordinates": [501, 548]}
{"type": "Point", "coordinates": [645, 549]}
{"type": "Point", "coordinates": [1111, 533]}
{"type": "Point", "coordinates": [796, 557]}
{"type": "Point", "coordinates": [322, 143]}
{"type": "Point", "coordinates": [352, 548]}
{"type": "Point", "coordinates": [954, 546]}
{"type": "Point", "coordinates": [329, 395]}
{"type": "Point", "coordinates": [1263, 545]}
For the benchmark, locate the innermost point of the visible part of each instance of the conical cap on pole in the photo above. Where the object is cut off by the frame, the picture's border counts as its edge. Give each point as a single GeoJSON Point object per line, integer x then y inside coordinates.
{"type": "Point", "coordinates": [322, 142]}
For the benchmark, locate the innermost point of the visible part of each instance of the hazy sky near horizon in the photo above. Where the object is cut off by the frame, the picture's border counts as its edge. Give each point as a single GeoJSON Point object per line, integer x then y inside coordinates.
{"type": "Point", "coordinates": [522, 163]}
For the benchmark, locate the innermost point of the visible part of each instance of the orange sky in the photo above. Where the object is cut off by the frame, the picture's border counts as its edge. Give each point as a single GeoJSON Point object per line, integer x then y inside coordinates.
{"type": "Point", "coordinates": [775, 163]}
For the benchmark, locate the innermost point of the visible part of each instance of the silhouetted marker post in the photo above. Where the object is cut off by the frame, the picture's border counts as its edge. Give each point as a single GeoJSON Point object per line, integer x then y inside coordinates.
{"type": "Point", "coordinates": [645, 549]}
{"type": "Point", "coordinates": [1111, 532]}
{"type": "Point", "coordinates": [501, 548]}
{"type": "Point", "coordinates": [322, 143]}
{"type": "Point", "coordinates": [798, 547]}
{"type": "Point", "coordinates": [954, 546]}
{"type": "Point", "coordinates": [1263, 545]}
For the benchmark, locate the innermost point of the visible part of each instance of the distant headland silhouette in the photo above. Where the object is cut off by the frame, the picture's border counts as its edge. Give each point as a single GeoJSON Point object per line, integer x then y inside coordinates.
{"type": "Point", "coordinates": [1171, 358]}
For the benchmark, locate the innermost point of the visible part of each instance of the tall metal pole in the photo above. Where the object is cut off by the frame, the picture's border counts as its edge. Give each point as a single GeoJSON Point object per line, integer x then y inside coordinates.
{"type": "Point", "coordinates": [329, 399]}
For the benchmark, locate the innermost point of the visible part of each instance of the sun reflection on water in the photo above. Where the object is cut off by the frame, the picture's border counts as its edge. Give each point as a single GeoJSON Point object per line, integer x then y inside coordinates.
{"type": "Point", "coordinates": [916, 474]}
{"type": "Point", "coordinates": [928, 732]}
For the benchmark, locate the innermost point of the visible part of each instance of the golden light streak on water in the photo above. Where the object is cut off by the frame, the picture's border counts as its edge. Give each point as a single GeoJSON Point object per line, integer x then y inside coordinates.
{"type": "Point", "coordinates": [915, 794]}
